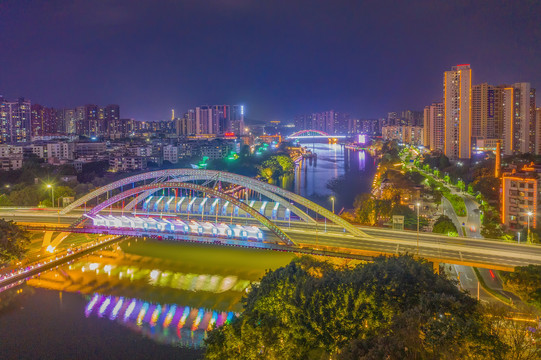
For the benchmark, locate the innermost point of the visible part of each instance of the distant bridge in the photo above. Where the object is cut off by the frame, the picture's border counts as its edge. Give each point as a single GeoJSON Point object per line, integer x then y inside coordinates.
{"type": "Point", "coordinates": [313, 134]}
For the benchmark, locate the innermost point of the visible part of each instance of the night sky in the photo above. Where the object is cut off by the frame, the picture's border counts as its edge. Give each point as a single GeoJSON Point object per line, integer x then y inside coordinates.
{"type": "Point", "coordinates": [277, 57]}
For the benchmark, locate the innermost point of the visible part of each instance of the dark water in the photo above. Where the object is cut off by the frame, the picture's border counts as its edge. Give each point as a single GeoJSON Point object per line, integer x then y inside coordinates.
{"type": "Point", "coordinates": [137, 300]}
{"type": "Point", "coordinates": [346, 172]}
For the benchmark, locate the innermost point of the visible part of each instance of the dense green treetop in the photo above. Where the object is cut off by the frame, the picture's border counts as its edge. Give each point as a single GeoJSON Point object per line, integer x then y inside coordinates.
{"type": "Point", "coordinates": [444, 225]}
{"type": "Point", "coordinates": [13, 241]}
{"type": "Point", "coordinates": [395, 308]}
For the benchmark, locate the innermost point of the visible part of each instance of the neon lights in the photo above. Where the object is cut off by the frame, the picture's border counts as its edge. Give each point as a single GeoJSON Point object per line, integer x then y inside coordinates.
{"type": "Point", "coordinates": [116, 309]}
{"type": "Point", "coordinates": [104, 306]}
{"type": "Point", "coordinates": [155, 315]}
{"type": "Point", "coordinates": [142, 314]}
{"type": "Point", "coordinates": [198, 318]}
{"type": "Point", "coordinates": [154, 276]}
{"type": "Point", "coordinates": [91, 305]}
{"type": "Point", "coordinates": [212, 321]}
{"type": "Point", "coordinates": [129, 310]}
{"type": "Point", "coordinates": [183, 318]}
{"type": "Point", "coordinates": [229, 317]}
{"type": "Point", "coordinates": [169, 317]}
{"type": "Point", "coordinates": [192, 325]}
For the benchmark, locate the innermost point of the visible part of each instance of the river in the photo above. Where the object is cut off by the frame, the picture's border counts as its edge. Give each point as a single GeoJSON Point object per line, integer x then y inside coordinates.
{"type": "Point", "coordinates": [150, 299]}
{"type": "Point", "coordinates": [337, 172]}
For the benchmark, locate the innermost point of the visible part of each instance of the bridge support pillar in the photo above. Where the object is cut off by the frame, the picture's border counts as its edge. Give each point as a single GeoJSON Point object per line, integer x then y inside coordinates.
{"type": "Point", "coordinates": [50, 243]}
{"type": "Point", "coordinates": [436, 266]}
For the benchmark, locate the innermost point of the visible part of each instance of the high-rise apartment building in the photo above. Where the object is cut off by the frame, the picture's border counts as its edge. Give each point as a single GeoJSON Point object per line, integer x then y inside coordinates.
{"type": "Point", "coordinates": [457, 112]}
{"type": "Point", "coordinates": [183, 125]}
{"type": "Point", "coordinates": [66, 121]}
{"type": "Point", "coordinates": [331, 122]}
{"type": "Point", "coordinates": [111, 121]}
{"type": "Point", "coordinates": [87, 120]}
{"type": "Point", "coordinates": [15, 120]}
{"type": "Point", "coordinates": [216, 119]}
{"type": "Point", "coordinates": [44, 120]}
{"type": "Point", "coordinates": [520, 197]}
{"type": "Point", "coordinates": [538, 131]}
{"type": "Point", "coordinates": [434, 127]}
{"type": "Point", "coordinates": [519, 119]}
{"type": "Point", "coordinates": [482, 112]}
{"type": "Point", "coordinates": [303, 122]}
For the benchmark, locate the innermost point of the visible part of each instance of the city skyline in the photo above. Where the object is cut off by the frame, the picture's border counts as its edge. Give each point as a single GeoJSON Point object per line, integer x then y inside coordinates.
{"type": "Point", "coordinates": [277, 69]}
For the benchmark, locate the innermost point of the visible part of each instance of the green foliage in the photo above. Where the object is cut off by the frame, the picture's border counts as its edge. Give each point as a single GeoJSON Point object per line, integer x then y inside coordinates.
{"type": "Point", "coordinates": [392, 308]}
{"type": "Point", "coordinates": [369, 210]}
{"type": "Point", "coordinates": [444, 225]}
{"type": "Point", "coordinates": [276, 166]}
{"type": "Point", "coordinates": [457, 202]}
{"type": "Point", "coordinates": [490, 218]}
{"type": "Point", "coordinates": [438, 161]}
{"type": "Point", "coordinates": [526, 282]}
{"type": "Point", "coordinates": [390, 151]}
{"type": "Point", "coordinates": [13, 241]}
{"type": "Point", "coordinates": [488, 186]}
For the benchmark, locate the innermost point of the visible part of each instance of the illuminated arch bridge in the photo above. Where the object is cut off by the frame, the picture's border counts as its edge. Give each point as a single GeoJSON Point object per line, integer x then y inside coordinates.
{"type": "Point", "coordinates": [204, 198]}
{"type": "Point", "coordinates": [313, 134]}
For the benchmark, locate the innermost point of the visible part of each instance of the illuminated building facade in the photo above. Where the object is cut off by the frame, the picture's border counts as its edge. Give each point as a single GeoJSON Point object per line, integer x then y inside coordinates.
{"type": "Point", "coordinates": [482, 112]}
{"type": "Point", "coordinates": [44, 121]}
{"type": "Point", "coordinates": [434, 127]}
{"type": "Point", "coordinates": [519, 120]}
{"type": "Point", "coordinates": [212, 119]}
{"type": "Point", "coordinates": [15, 120]}
{"type": "Point", "coordinates": [520, 196]}
{"type": "Point", "coordinates": [457, 112]}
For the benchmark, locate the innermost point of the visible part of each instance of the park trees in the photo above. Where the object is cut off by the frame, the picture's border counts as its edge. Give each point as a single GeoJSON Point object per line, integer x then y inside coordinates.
{"type": "Point", "coordinates": [395, 308]}
{"type": "Point", "coordinates": [276, 166]}
{"type": "Point", "coordinates": [444, 225]}
{"type": "Point", "coordinates": [13, 241]}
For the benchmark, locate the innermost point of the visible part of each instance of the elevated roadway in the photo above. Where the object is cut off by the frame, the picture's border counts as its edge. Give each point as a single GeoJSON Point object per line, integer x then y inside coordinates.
{"type": "Point", "coordinates": [492, 254]}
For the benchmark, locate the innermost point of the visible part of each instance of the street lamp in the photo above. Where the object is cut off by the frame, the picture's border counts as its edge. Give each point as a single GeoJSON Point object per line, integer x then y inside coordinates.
{"type": "Point", "coordinates": [529, 215]}
{"type": "Point", "coordinates": [332, 200]}
{"type": "Point", "coordinates": [49, 186]}
{"type": "Point", "coordinates": [418, 207]}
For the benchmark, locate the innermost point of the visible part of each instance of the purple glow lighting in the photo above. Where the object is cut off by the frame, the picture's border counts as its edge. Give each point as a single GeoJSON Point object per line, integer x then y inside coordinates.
{"type": "Point", "coordinates": [104, 306]}
{"type": "Point", "coordinates": [91, 305]}
{"type": "Point", "coordinates": [116, 309]}
{"type": "Point", "coordinates": [130, 309]}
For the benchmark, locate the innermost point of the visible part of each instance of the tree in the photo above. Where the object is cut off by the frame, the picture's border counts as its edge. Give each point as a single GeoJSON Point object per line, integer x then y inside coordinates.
{"type": "Point", "coordinates": [365, 209]}
{"type": "Point", "coordinates": [13, 241]}
{"type": "Point", "coordinates": [393, 308]}
{"type": "Point", "coordinates": [444, 225]}
{"type": "Point", "coordinates": [461, 185]}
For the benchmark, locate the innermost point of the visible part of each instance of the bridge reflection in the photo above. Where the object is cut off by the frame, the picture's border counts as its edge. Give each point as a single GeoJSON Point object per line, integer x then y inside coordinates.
{"type": "Point", "coordinates": [214, 283]}
{"type": "Point", "coordinates": [166, 323]}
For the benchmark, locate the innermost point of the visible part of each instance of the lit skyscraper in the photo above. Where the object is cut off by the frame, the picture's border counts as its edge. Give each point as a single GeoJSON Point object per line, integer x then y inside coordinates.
{"type": "Point", "coordinates": [483, 114]}
{"type": "Point", "coordinates": [457, 112]}
{"type": "Point", "coordinates": [519, 120]}
{"type": "Point", "coordinates": [434, 127]}
{"type": "Point", "coordinates": [15, 120]}
{"type": "Point", "coordinates": [215, 119]}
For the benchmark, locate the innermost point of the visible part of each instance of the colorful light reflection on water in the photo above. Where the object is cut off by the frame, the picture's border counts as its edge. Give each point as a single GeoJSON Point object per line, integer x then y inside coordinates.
{"type": "Point", "coordinates": [155, 320]}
